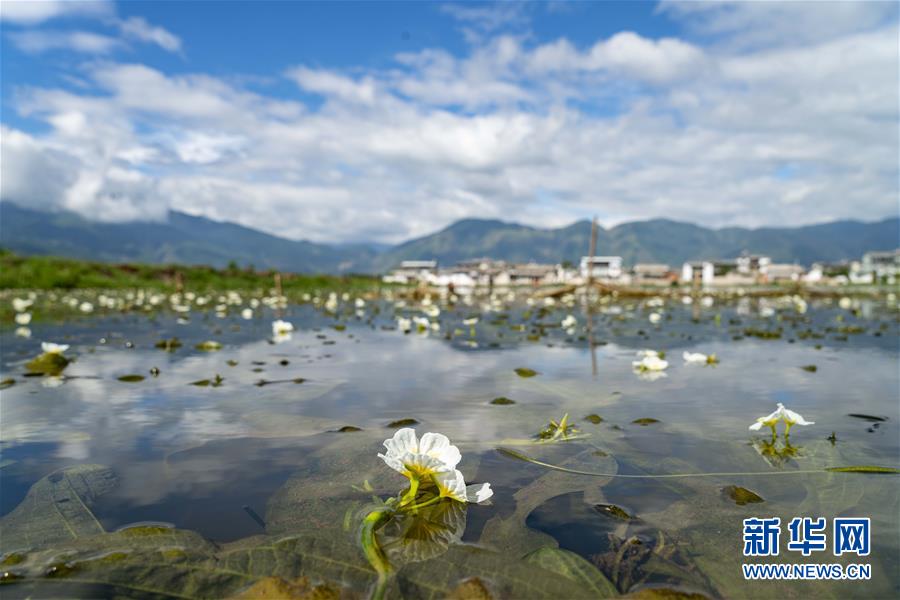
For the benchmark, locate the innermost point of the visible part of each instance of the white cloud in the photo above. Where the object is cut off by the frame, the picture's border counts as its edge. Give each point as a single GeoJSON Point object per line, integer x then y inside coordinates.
{"type": "Point", "coordinates": [139, 29]}
{"type": "Point", "coordinates": [331, 84]}
{"type": "Point", "coordinates": [39, 41]}
{"type": "Point", "coordinates": [33, 12]}
{"type": "Point", "coordinates": [627, 127]}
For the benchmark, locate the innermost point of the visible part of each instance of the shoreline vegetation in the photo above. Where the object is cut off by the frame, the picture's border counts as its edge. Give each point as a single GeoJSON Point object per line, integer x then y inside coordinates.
{"type": "Point", "coordinates": [67, 274]}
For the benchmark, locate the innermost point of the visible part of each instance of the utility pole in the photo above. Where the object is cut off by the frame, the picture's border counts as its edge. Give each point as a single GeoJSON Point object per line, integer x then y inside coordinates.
{"type": "Point", "coordinates": [592, 250]}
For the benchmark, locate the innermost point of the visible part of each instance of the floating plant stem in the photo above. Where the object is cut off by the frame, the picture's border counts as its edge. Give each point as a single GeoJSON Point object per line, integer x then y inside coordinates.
{"type": "Point", "coordinates": [852, 469]}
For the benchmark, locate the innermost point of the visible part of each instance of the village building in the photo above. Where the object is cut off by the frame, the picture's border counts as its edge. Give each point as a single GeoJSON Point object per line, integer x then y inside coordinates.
{"type": "Point", "coordinates": [776, 273]}
{"type": "Point", "coordinates": [601, 267]}
{"type": "Point", "coordinates": [652, 273]}
{"type": "Point", "coordinates": [412, 271]}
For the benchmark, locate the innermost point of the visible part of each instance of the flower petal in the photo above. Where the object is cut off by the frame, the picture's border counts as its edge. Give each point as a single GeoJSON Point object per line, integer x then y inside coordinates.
{"type": "Point", "coordinates": [479, 492]}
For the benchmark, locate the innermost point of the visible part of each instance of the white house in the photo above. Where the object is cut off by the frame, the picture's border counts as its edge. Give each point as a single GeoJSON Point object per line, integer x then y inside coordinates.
{"type": "Point", "coordinates": [784, 272]}
{"type": "Point", "coordinates": [882, 265]}
{"type": "Point", "coordinates": [702, 271]}
{"type": "Point", "coordinates": [411, 271]}
{"type": "Point", "coordinates": [601, 267]}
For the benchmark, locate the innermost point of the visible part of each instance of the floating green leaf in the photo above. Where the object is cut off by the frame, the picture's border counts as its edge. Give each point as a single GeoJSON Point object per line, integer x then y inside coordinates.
{"type": "Point", "coordinates": [864, 469]}
{"type": "Point", "coordinates": [810, 368]}
{"type": "Point", "coordinates": [7, 383]}
{"type": "Point", "coordinates": [131, 378]}
{"type": "Point", "coordinates": [402, 423]}
{"type": "Point", "coordinates": [525, 372]}
{"type": "Point", "coordinates": [594, 418]}
{"type": "Point", "coordinates": [616, 512]}
{"type": "Point", "coordinates": [502, 401]}
{"type": "Point", "coordinates": [169, 345]}
{"type": "Point", "coordinates": [209, 346]}
{"type": "Point", "coordinates": [48, 363]}
{"type": "Point", "coordinates": [645, 421]}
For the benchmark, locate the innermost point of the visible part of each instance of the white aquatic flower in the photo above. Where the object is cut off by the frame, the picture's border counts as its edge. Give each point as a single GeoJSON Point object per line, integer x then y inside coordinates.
{"type": "Point", "coordinates": [643, 353]}
{"type": "Point", "coordinates": [51, 348]}
{"type": "Point", "coordinates": [280, 338]}
{"type": "Point", "coordinates": [86, 307]}
{"type": "Point", "coordinates": [766, 311]}
{"type": "Point", "coordinates": [687, 300]}
{"type": "Point", "coordinates": [247, 314]}
{"type": "Point", "coordinates": [451, 484]}
{"type": "Point", "coordinates": [359, 302]}
{"type": "Point", "coordinates": [707, 301]}
{"type": "Point", "coordinates": [23, 318]}
{"type": "Point", "coordinates": [280, 327]}
{"type": "Point", "coordinates": [569, 322]}
{"type": "Point", "coordinates": [23, 332]}
{"type": "Point", "coordinates": [404, 324]}
{"type": "Point", "coordinates": [695, 358]}
{"type": "Point", "coordinates": [781, 413]}
{"type": "Point", "coordinates": [424, 457]}
{"type": "Point", "coordinates": [470, 322]}
{"type": "Point", "coordinates": [21, 304]}
{"type": "Point", "coordinates": [655, 318]}
{"type": "Point", "coordinates": [432, 311]}
{"type": "Point", "coordinates": [845, 303]}
{"type": "Point", "coordinates": [650, 364]}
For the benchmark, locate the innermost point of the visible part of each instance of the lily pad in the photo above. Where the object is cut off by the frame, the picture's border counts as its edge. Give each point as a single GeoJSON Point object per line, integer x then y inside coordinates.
{"type": "Point", "coordinates": [349, 429]}
{"type": "Point", "coordinates": [525, 372]}
{"type": "Point", "coordinates": [810, 368]}
{"type": "Point", "coordinates": [594, 418]}
{"type": "Point", "coordinates": [131, 378]}
{"type": "Point", "coordinates": [502, 401]}
{"type": "Point", "coordinates": [741, 495]}
{"type": "Point", "coordinates": [644, 421]}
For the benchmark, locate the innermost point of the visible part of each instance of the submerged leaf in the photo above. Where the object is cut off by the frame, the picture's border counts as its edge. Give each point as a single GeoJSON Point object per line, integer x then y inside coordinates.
{"type": "Point", "coordinates": [741, 495]}
{"type": "Point", "coordinates": [573, 567]}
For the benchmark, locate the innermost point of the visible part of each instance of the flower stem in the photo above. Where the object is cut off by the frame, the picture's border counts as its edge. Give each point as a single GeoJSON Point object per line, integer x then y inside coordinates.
{"type": "Point", "coordinates": [410, 494]}
{"type": "Point", "coordinates": [434, 500]}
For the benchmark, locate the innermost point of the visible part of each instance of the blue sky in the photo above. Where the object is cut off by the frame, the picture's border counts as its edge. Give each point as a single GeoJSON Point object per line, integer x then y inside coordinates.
{"type": "Point", "coordinates": [382, 121]}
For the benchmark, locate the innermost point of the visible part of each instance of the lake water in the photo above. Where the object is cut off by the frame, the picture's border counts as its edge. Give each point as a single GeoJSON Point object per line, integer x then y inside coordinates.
{"type": "Point", "coordinates": [263, 473]}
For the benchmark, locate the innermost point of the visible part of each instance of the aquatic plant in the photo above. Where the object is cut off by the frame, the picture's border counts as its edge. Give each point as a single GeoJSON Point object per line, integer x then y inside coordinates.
{"type": "Point", "coordinates": [789, 417]}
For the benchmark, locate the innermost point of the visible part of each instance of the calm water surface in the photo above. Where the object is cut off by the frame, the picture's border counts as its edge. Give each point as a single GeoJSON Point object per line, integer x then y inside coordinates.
{"type": "Point", "coordinates": [243, 463]}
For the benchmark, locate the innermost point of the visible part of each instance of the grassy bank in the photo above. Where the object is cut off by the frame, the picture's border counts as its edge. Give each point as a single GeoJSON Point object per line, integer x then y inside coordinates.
{"type": "Point", "coordinates": [56, 273]}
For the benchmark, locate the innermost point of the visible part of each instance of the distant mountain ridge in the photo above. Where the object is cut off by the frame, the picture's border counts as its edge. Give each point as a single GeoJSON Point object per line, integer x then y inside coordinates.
{"type": "Point", "coordinates": [196, 240]}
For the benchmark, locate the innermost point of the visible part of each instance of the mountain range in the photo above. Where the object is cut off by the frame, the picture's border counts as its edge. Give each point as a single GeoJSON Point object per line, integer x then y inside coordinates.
{"type": "Point", "coordinates": [189, 239]}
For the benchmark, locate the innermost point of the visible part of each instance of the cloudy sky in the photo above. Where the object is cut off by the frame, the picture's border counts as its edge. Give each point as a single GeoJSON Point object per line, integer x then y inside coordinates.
{"type": "Point", "coordinates": [383, 121]}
